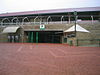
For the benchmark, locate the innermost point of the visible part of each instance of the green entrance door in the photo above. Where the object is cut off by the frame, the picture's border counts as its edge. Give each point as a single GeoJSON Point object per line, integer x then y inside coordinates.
{"type": "Point", "coordinates": [33, 37]}
{"type": "Point", "coordinates": [36, 37]}
{"type": "Point", "coordinates": [30, 37]}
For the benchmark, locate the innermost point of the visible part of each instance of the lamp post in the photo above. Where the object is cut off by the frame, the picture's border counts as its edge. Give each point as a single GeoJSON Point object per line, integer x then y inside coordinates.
{"type": "Point", "coordinates": [62, 19]}
{"type": "Point", "coordinates": [92, 18]}
{"type": "Point", "coordinates": [75, 15]}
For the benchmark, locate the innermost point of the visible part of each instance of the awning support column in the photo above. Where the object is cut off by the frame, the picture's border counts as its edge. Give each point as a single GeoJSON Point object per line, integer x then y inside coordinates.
{"type": "Point", "coordinates": [36, 37]}
{"type": "Point", "coordinates": [32, 38]}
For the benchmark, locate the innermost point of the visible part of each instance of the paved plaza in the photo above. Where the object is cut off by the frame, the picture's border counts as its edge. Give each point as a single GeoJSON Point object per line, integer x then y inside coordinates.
{"type": "Point", "coordinates": [48, 59]}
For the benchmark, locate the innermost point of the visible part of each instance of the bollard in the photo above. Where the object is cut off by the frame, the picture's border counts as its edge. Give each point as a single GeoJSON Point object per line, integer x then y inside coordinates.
{"type": "Point", "coordinates": [77, 41]}
{"type": "Point", "coordinates": [99, 43]}
{"type": "Point", "coordinates": [71, 43]}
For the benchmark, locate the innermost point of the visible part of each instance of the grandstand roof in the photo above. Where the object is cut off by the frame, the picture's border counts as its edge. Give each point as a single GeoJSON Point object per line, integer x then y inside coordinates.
{"type": "Point", "coordinates": [51, 11]}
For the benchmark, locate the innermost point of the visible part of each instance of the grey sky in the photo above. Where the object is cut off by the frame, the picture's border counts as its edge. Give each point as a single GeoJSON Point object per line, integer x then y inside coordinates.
{"type": "Point", "coordinates": [31, 5]}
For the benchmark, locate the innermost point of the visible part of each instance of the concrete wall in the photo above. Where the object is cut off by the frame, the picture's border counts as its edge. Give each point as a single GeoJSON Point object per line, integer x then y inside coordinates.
{"type": "Point", "coordinates": [3, 37]}
{"type": "Point", "coordinates": [94, 29]}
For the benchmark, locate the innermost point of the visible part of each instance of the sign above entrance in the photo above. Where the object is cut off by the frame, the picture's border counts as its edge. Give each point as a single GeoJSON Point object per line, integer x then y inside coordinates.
{"type": "Point", "coordinates": [42, 27]}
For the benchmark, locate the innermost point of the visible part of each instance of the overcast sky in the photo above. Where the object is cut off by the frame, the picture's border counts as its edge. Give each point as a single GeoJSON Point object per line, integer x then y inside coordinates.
{"type": "Point", "coordinates": [31, 5]}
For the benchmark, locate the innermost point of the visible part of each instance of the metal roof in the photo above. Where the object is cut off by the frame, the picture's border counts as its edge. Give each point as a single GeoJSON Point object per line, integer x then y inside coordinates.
{"type": "Point", "coordinates": [10, 29]}
{"type": "Point", "coordinates": [51, 11]}
{"type": "Point", "coordinates": [78, 28]}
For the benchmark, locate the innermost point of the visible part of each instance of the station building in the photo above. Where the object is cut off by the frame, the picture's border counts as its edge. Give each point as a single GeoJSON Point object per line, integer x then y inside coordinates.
{"type": "Point", "coordinates": [50, 26]}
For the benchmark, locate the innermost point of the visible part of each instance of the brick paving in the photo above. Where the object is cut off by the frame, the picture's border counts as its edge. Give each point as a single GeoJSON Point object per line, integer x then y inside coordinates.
{"type": "Point", "coordinates": [48, 59]}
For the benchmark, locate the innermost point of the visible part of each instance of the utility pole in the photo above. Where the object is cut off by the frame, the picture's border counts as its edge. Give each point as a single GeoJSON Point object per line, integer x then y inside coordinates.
{"type": "Point", "coordinates": [75, 14]}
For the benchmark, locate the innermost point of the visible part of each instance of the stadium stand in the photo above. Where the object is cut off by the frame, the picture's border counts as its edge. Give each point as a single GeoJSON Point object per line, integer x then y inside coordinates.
{"type": "Point", "coordinates": [55, 22]}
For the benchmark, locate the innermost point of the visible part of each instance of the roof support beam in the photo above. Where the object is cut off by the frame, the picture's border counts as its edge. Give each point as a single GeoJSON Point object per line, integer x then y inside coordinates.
{"type": "Point", "coordinates": [4, 20]}
{"type": "Point", "coordinates": [24, 20]}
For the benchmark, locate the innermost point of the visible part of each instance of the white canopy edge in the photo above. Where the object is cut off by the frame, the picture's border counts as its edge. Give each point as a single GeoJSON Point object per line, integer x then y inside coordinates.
{"type": "Point", "coordinates": [10, 29]}
{"type": "Point", "coordinates": [78, 28]}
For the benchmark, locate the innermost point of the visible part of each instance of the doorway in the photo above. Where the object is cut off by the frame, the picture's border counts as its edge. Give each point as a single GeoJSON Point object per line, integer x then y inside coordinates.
{"type": "Point", "coordinates": [44, 36]}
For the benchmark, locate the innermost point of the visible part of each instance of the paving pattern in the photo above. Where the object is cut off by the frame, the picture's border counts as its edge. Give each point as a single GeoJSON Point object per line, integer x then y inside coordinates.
{"type": "Point", "coordinates": [48, 59]}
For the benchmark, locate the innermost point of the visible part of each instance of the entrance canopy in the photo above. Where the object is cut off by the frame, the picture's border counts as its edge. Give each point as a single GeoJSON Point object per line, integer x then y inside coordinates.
{"type": "Point", "coordinates": [78, 28]}
{"type": "Point", "coordinates": [10, 29]}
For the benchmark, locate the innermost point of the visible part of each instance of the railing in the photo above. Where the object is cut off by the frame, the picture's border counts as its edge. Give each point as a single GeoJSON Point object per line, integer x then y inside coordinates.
{"type": "Point", "coordinates": [38, 23]}
{"type": "Point", "coordinates": [7, 24]}
{"type": "Point", "coordinates": [32, 23]}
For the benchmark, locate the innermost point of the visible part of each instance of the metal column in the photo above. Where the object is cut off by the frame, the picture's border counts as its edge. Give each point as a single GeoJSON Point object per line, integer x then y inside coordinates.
{"type": "Point", "coordinates": [36, 37]}
{"type": "Point", "coordinates": [32, 38]}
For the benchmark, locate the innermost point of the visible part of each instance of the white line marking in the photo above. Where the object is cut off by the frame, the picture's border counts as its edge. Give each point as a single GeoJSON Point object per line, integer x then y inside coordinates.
{"type": "Point", "coordinates": [31, 47]}
{"type": "Point", "coordinates": [49, 65]}
{"type": "Point", "coordinates": [61, 51]}
{"type": "Point", "coordinates": [53, 54]}
{"type": "Point", "coordinates": [57, 56]}
{"type": "Point", "coordinates": [20, 48]}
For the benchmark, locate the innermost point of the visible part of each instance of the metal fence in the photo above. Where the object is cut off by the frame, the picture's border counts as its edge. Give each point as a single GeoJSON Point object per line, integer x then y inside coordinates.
{"type": "Point", "coordinates": [34, 23]}
{"type": "Point", "coordinates": [88, 42]}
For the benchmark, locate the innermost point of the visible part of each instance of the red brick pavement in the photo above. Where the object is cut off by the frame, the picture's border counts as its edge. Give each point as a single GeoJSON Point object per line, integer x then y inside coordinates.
{"type": "Point", "coordinates": [48, 59]}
